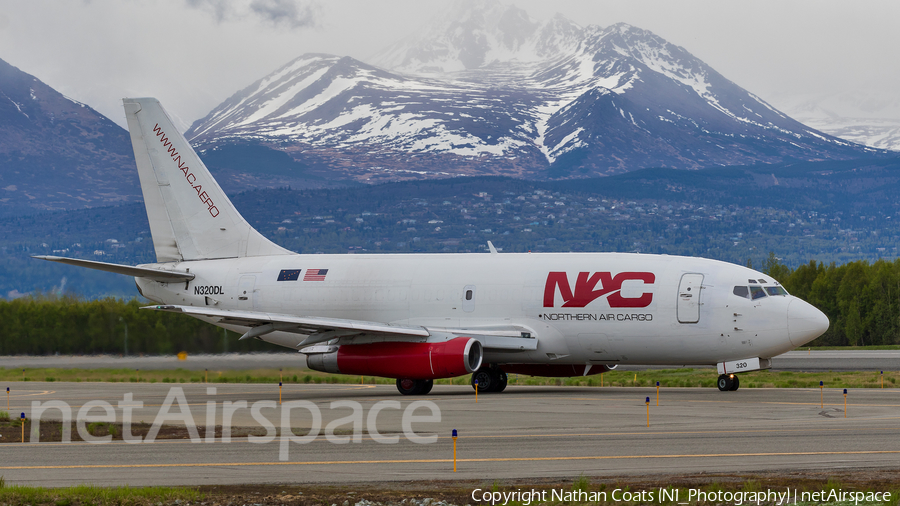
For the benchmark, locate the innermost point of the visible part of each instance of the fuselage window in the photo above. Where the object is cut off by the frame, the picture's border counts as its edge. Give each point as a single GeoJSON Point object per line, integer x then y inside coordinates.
{"type": "Point", "coordinates": [468, 294]}
{"type": "Point", "coordinates": [757, 292]}
{"type": "Point", "coordinates": [742, 291]}
{"type": "Point", "coordinates": [776, 290]}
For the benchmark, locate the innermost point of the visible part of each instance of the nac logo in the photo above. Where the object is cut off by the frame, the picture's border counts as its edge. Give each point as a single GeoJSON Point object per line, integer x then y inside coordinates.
{"type": "Point", "coordinates": [586, 289]}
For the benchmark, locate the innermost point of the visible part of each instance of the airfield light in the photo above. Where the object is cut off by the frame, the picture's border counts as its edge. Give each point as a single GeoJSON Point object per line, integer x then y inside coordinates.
{"type": "Point", "coordinates": [476, 391]}
{"type": "Point", "coordinates": [822, 393]}
{"type": "Point", "coordinates": [23, 426]}
{"type": "Point", "coordinates": [657, 393]}
{"type": "Point", "coordinates": [845, 403]}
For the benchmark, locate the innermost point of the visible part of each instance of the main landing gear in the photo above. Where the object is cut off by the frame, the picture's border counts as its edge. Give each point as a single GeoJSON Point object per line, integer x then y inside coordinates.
{"type": "Point", "coordinates": [414, 387]}
{"type": "Point", "coordinates": [490, 379]}
{"type": "Point", "coordinates": [728, 382]}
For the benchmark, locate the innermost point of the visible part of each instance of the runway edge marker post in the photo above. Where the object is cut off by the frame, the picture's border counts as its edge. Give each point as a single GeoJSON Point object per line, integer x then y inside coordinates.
{"type": "Point", "coordinates": [454, 450]}
{"type": "Point", "coordinates": [845, 403]}
{"type": "Point", "coordinates": [648, 411]}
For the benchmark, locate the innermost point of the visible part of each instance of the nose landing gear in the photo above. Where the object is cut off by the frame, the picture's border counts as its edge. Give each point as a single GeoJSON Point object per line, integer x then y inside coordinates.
{"type": "Point", "coordinates": [728, 382]}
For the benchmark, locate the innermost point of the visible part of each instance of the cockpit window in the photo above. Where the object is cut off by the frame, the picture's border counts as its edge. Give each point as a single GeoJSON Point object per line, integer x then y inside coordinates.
{"type": "Point", "coordinates": [751, 281]}
{"type": "Point", "coordinates": [757, 292]}
{"type": "Point", "coordinates": [776, 290]}
{"type": "Point", "coordinates": [742, 291]}
{"type": "Point", "coordinates": [762, 281]}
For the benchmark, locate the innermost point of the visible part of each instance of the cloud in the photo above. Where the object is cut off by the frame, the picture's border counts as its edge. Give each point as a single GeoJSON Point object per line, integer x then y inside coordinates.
{"type": "Point", "coordinates": [221, 9]}
{"type": "Point", "coordinates": [293, 14]}
{"type": "Point", "coordinates": [286, 12]}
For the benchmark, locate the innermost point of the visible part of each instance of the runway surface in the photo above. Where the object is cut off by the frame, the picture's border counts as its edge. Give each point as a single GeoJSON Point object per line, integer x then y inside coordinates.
{"type": "Point", "coordinates": [524, 432]}
{"type": "Point", "coordinates": [800, 360]}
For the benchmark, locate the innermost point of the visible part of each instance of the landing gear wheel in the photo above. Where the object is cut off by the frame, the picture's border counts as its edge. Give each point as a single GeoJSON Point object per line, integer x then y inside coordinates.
{"type": "Point", "coordinates": [486, 380]}
{"type": "Point", "coordinates": [725, 382]}
{"type": "Point", "coordinates": [736, 383]}
{"type": "Point", "coordinates": [408, 386]}
{"type": "Point", "coordinates": [502, 380]}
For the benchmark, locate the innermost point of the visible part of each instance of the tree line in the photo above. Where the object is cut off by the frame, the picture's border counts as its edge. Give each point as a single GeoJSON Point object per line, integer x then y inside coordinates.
{"type": "Point", "coordinates": [71, 325]}
{"type": "Point", "coordinates": [861, 299]}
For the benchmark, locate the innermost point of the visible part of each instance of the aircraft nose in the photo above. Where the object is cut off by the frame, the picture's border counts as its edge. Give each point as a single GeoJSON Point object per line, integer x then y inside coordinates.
{"type": "Point", "coordinates": [805, 322]}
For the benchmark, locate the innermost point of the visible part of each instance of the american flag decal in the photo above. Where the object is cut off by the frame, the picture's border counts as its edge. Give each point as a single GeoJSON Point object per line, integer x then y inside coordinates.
{"type": "Point", "coordinates": [289, 275]}
{"type": "Point", "coordinates": [315, 274]}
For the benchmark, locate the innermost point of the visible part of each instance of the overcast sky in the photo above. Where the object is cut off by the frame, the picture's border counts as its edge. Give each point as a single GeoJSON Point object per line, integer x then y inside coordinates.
{"type": "Point", "coordinates": [192, 54]}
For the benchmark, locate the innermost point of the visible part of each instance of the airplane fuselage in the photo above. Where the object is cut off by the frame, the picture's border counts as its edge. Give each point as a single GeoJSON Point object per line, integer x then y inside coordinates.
{"type": "Point", "coordinates": [582, 308]}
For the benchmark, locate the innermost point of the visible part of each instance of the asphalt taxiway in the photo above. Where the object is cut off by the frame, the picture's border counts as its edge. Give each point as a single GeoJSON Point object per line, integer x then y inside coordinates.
{"type": "Point", "coordinates": [524, 432]}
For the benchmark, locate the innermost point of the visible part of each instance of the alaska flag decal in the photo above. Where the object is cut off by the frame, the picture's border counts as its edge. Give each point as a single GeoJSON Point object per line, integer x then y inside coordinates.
{"type": "Point", "coordinates": [289, 275]}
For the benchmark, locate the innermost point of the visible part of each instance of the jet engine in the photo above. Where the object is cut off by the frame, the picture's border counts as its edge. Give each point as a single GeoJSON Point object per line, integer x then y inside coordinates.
{"type": "Point", "coordinates": [399, 359]}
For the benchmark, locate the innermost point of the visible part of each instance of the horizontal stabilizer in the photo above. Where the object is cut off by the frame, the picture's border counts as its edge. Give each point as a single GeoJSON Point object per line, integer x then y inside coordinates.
{"type": "Point", "coordinates": [128, 270]}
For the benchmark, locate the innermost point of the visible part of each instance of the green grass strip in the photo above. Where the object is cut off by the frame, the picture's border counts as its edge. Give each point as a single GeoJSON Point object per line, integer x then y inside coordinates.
{"type": "Point", "coordinates": [90, 494]}
{"type": "Point", "coordinates": [683, 377]}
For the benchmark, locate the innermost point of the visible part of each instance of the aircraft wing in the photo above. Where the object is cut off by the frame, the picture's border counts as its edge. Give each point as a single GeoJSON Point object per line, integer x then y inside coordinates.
{"type": "Point", "coordinates": [128, 270]}
{"type": "Point", "coordinates": [324, 329]}
{"type": "Point", "coordinates": [318, 329]}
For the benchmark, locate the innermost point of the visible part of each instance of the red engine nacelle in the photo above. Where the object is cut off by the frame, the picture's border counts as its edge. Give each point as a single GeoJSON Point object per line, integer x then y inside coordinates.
{"type": "Point", "coordinates": [553, 370]}
{"type": "Point", "coordinates": [397, 359]}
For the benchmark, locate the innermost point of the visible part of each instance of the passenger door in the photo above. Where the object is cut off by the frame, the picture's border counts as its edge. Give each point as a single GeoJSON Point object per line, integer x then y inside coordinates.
{"type": "Point", "coordinates": [689, 290]}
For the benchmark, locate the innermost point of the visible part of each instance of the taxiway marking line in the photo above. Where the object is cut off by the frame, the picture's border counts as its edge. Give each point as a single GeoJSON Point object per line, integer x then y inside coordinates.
{"type": "Point", "coordinates": [244, 440]}
{"type": "Point", "coordinates": [441, 461]}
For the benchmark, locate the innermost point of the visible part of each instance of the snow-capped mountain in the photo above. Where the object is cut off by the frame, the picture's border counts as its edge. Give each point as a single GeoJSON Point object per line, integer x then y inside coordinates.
{"type": "Point", "coordinates": [491, 91]}
{"type": "Point", "coordinates": [474, 34]}
{"type": "Point", "coordinates": [868, 114]}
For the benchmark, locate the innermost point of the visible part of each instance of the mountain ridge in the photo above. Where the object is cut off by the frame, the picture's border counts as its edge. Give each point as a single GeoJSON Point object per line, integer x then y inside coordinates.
{"type": "Point", "coordinates": [57, 153]}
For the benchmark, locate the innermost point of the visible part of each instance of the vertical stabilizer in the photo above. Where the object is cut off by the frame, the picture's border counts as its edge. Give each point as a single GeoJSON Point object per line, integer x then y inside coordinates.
{"type": "Point", "coordinates": [190, 216]}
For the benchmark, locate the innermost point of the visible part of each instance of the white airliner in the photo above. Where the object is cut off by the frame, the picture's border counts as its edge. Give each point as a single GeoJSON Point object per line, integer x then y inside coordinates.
{"type": "Point", "coordinates": [419, 317]}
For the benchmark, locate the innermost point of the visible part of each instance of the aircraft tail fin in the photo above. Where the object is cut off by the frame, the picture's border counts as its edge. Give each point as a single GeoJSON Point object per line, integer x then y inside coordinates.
{"type": "Point", "coordinates": [190, 216]}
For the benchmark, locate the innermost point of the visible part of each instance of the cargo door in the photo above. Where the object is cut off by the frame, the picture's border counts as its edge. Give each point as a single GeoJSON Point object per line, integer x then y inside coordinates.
{"type": "Point", "coordinates": [247, 298]}
{"type": "Point", "coordinates": [689, 298]}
